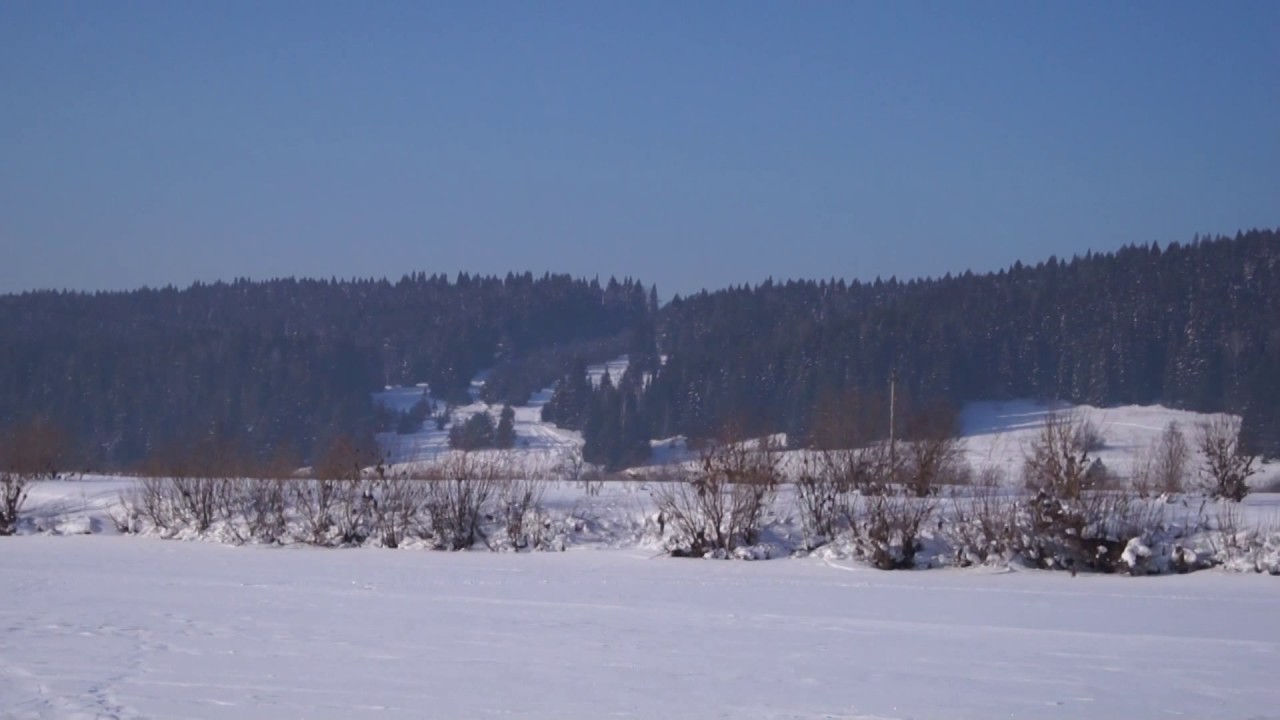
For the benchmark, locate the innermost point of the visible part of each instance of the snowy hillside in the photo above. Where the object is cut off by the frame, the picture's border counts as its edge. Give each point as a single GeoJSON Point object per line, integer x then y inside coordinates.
{"type": "Point", "coordinates": [539, 445]}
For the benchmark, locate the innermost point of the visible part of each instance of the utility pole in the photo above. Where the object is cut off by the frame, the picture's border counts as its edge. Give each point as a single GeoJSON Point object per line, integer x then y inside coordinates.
{"type": "Point", "coordinates": [893, 386]}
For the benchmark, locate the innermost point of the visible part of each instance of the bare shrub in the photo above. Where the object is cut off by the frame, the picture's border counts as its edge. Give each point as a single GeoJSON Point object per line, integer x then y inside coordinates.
{"type": "Point", "coordinates": [888, 531]}
{"type": "Point", "coordinates": [1086, 436]}
{"type": "Point", "coordinates": [1088, 532]}
{"type": "Point", "coordinates": [982, 526]}
{"type": "Point", "coordinates": [1056, 463]}
{"type": "Point", "coordinates": [931, 455]}
{"type": "Point", "coordinates": [265, 508]}
{"type": "Point", "coordinates": [1172, 458]}
{"type": "Point", "coordinates": [929, 463]}
{"type": "Point", "coordinates": [1075, 520]}
{"type": "Point", "coordinates": [1227, 467]}
{"type": "Point", "coordinates": [316, 500]}
{"type": "Point", "coordinates": [14, 487]}
{"type": "Point", "coordinates": [520, 511]}
{"type": "Point", "coordinates": [1162, 467]}
{"type": "Point", "coordinates": [573, 469]}
{"type": "Point", "coordinates": [28, 453]}
{"type": "Point", "coordinates": [342, 465]}
{"type": "Point", "coordinates": [458, 493]}
{"type": "Point", "coordinates": [1142, 475]}
{"type": "Point", "coordinates": [197, 500]}
{"type": "Point", "coordinates": [396, 504]}
{"type": "Point", "coordinates": [823, 498]}
{"type": "Point", "coordinates": [723, 504]}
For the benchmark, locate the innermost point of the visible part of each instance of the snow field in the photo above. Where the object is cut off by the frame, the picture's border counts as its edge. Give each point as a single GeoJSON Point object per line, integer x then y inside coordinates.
{"type": "Point", "coordinates": [123, 627]}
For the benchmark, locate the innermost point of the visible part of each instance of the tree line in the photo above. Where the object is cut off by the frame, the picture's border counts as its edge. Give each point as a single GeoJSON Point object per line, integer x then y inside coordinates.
{"type": "Point", "coordinates": [286, 363]}
{"type": "Point", "coordinates": [1193, 326]}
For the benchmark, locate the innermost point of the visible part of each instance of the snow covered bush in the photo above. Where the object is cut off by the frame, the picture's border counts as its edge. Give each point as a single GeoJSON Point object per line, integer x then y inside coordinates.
{"type": "Point", "coordinates": [396, 503]}
{"type": "Point", "coordinates": [521, 513]}
{"type": "Point", "coordinates": [723, 503]}
{"type": "Point", "coordinates": [315, 501]}
{"type": "Point", "coordinates": [14, 487]}
{"type": "Point", "coordinates": [1087, 532]}
{"type": "Point", "coordinates": [1227, 467]}
{"type": "Point", "coordinates": [887, 531]}
{"type": "Point", "coordinates": [824, 499]}
{"type": "Point", "coordinates": [457, 498]}
{"type": "Point", "coordinates": [981, 527]}
{"type": "Point", "coordinates": [265, 508]}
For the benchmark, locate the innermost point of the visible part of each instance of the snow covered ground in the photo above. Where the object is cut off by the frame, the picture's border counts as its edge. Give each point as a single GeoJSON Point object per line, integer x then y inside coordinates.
{"type": "Point", "coordinates": [126, 627]}
{"type": "Point", "coordinates": [98, 625]}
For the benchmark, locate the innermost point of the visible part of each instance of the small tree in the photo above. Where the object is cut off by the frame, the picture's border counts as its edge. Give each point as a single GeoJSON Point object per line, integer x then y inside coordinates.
{"type": "Point", "coordinates": [1226, 467]}
{"type": "Point", "coordinates": [504, 437]}
{"type": "Point", "coordinates": [1057, 463]}
{"type": "Point", "coordinates": [1162, 468]}
{"type": "Point", "coordinates": [474, 434]}
{"type": "Point", "coordinates": [932, 454]}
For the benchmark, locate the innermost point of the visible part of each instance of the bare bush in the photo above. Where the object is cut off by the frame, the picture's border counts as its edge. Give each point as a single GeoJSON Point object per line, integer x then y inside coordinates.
{"type": "Point", "coordinates": [887, 532]}
{"type": "Point", "coordinates": [265, 508]}
{"type": "Point", "coordinates": [824, 500]}
{"type": "Point", "coordinates": [14, 487]}
{"type": "Point", "coordinates": [520, 511]}
{"type": "Point", "coordinates": [723, 504]}
{"type": "Point", "coordinates": [1075, 520]}
{"type": "Point", "coordinates": [1086, 436]}
{"type": "Point", "coordinates": [573, 469]}
{"type": "Point", "coordinates": [982, 526]}
{"type": "Point", "coordinates": [1227, 467]}
{"type": "Point", "coordinates": [458, 493]}
{"type": "Point", "coordinates": [931, 455]}
{"type": "Point", "coordinates": [1162, 468]}
{"type": "Point", "coordinates": [1088, 532]}
{"type": "Point", "coordinates": [396, 503]}
{"type": "Point", "coordinates": [197, 500]}
{"type": "Point", "coordinates": [1056, 463]}
{"type": "Point", "coordinates": [316, 501]}
{"type": "Point", "coordinates": [1172, 458]}
{"type": "Point", "coordinates": [28, 453]}
{"type": "Point", "coordinates": [929, 463]}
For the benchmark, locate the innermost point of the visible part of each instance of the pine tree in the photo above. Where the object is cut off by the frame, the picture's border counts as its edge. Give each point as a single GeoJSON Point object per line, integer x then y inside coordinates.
{"type": "Point", "coordinates": [505, 436]}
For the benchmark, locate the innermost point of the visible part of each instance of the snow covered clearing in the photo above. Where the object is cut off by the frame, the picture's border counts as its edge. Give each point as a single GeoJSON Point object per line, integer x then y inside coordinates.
{"type": "Point", "coordinates": [122, 627]}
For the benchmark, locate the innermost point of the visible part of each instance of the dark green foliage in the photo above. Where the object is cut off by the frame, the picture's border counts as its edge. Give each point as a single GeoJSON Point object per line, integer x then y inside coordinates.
{"type": "Point", "coordinates": [1193, 326]}
{"type": "Point", "coordinates": [284, 362]}
{"type": "Point", "coordinates": [474, 434]}
{"type": "Point", "coordinates": [411, 421]}
{"type": "Point", "coordinates": [570, 406]}
{"type": "Point", "coordinates": [615, 434]}
{"type": "Point", "coordinates": [504, 437]}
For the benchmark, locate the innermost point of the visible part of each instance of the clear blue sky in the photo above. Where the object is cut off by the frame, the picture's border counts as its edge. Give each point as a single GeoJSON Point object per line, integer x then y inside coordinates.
{"type": "Point", "coordinates": [691, 144]}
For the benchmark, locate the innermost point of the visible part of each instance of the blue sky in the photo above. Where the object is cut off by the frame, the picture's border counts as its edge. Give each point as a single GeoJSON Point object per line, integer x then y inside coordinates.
{"type": "Point", "coordinates": [690, 144]}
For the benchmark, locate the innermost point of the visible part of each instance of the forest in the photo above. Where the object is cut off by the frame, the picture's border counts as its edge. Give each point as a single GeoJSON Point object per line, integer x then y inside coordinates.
{"type": "Point", "coordinates": [289, 364]}
{"type": "Point", "coordinates": [284, 365]}
{"type": "Point", "coordinates": [1194, 326]}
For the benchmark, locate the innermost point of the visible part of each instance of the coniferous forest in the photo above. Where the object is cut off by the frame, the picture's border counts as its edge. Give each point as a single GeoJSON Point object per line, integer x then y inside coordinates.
{"type": "Point", "coordinates": [283, 365]}
{"type": "Point", "coordinates": [291, 363]}
{"type": "Point", "coordinates": [1193, 326]}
